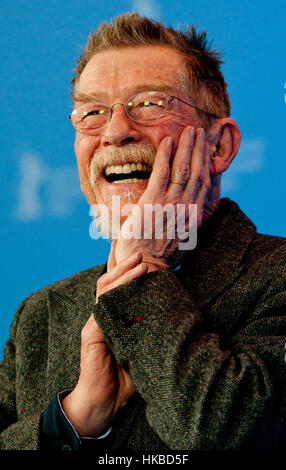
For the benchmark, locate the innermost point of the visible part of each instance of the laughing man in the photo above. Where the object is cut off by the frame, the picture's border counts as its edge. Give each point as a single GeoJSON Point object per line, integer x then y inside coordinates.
{"type": "Point", "coordinates": [161, 348]}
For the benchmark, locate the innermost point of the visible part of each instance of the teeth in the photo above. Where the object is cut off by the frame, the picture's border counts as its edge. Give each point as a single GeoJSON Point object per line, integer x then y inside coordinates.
{"type": "Point", "coordinates": [127, 168]}
{"type": "Point", "coordinates": [129, 180]}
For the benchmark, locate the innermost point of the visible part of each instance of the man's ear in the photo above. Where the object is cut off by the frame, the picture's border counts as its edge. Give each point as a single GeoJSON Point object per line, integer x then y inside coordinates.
{"type": "Point", "coordinates": [226, 146]}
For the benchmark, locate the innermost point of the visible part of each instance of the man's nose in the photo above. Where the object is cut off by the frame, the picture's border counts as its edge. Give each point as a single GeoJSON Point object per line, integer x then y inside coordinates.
{"type": "Point", "coordinates": [120, 129]}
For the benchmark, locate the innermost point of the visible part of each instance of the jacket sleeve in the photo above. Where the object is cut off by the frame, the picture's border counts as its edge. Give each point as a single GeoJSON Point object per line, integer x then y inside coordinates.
{"type": "Point", "coordinates": [42, 430]}
{"type": "Point", "coordinates": [14, 434]}
{"type": "Point", "coordinates": [202, 390]}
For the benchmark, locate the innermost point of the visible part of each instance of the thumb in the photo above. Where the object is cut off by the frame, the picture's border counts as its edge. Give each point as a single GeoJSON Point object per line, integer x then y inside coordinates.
{"type": "Point", "coordinates": [111, 258]}
{"type": "Point", "coordinates": [91, 332]}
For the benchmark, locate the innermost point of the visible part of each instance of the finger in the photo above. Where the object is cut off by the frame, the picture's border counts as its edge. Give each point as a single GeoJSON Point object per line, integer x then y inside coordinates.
{"type": "Point", "coordinates": [197, 167]}
{"type": "Point", "coordinates": [206, 182]}
{"type": "Point", "coordinates": [111, 258]}
{"type": "Point", "coordinates": [119, 269]}
{"type": "Point", "coordinates": [180, 171]}
{"type": "Point", "coordinates": [204, 188]}
{"type": "Point", "coordinates": [134, 273]}
{"type": "Point", "coordinates": [159, 178]}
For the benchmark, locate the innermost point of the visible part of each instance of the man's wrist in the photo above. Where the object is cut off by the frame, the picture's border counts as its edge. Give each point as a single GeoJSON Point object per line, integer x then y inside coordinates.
{"type": "Point", "coordinates": [86, 422]}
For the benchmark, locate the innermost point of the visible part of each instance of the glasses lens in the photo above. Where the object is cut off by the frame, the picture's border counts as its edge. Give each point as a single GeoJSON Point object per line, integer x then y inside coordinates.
{"type": "Point", "coordinates": [146, 106]}
{"type": "Point", "coordinates": [90, 117]}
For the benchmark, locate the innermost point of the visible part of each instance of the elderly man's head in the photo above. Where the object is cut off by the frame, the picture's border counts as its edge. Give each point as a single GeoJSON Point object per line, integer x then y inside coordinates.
{"type": "Point", "coordinates": [132, 55]}
{"type": "Point", "coordinates": [201, 77]}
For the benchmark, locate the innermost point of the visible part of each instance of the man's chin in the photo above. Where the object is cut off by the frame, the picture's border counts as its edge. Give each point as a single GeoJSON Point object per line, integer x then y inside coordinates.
{"type": "Point", "coordinates": [111, 208]}
{"type": "Point", "coordinates": [125, 193]}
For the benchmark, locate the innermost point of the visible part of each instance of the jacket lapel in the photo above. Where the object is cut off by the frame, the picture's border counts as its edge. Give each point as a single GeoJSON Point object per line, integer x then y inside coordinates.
{"type": "Point", "coordinates": [69, 309]}
{"type": "Point", "coordinates": [218, 258]}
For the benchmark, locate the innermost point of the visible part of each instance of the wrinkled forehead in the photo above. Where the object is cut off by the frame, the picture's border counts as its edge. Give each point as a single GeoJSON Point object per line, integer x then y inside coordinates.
{"type": "Point", "coordinates": [118, 73]}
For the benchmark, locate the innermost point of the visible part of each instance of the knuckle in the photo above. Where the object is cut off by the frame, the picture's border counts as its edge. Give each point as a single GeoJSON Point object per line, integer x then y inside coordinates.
{"type": "Point", "coordinates": [163, 174]}
{"type": "Point", "coordinates": [102, 278]}
{"type": "Point", "coordinates": [183, 170]}
{"type": "Point", "coordinates": [198, 176]}
{"type": "Point", "coordinates": [208, 183]}
{"type": "Point", "coordinates": [99, 283]}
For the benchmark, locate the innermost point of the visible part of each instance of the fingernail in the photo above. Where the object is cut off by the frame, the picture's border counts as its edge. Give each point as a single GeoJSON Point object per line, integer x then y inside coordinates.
{"type": "Point", "coordinates": [169, 142]}
{"type": "Point", "coordinates": [140, 266]}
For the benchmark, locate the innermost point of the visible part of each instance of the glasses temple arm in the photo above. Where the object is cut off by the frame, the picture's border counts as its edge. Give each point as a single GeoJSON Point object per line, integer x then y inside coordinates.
{"type": "Point", "coordinates": [199, 109]}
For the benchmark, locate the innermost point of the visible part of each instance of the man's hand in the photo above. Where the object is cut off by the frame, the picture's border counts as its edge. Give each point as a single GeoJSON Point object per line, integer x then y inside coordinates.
{"type": "Point", "coordinates": [104, 387]}
{"type": "Point", "coordinates": [191, 168]}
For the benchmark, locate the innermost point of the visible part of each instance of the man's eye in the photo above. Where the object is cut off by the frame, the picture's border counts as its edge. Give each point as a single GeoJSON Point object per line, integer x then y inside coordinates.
{"type": "Point", "coordinates": [149, 104]}
{"type": "Point", "coordinates": [94, 112]}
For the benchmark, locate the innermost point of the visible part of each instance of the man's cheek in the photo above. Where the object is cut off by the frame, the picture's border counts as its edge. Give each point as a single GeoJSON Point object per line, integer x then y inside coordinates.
{"type": "Point", "coordinates": [84, 154]}
{"type": "Point", "coordinates": [174, 128]}
{"type": "Point", "coordinates": [85, 145]}
{"type": "Point", "coordinates": [83, 164]}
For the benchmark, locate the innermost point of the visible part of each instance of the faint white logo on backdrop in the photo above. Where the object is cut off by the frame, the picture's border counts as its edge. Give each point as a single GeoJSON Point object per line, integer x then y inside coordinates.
{"type": "Point", "coordinates": [53, 191]}
{"type": "Point", "coordinates": [249, 159]}
{"type": "Point", "coordinates": [148, 8]}
{"type": "Point", "coordinates": [44, 191]}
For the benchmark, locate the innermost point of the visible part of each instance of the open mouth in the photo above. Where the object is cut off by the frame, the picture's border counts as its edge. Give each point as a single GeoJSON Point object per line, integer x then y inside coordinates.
{"type": "Point", "coordinates": [127, 173]}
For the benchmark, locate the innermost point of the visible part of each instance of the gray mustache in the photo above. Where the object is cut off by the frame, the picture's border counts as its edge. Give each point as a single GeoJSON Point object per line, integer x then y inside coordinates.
{"type": "Point", "coordinates": [102, 158]}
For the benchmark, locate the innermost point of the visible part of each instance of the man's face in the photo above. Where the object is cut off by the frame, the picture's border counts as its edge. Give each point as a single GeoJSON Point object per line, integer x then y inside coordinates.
{"type": "Point", "coordinates": [112, 76]}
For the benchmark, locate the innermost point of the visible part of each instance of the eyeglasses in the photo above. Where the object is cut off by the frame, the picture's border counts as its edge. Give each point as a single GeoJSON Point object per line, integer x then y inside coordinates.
{"type": "Point", "coordinates": [144, 107]}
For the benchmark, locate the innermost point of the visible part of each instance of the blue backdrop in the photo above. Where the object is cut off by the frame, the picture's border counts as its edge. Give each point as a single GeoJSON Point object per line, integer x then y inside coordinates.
{"type": "Point", "coordinates": [45, 219]}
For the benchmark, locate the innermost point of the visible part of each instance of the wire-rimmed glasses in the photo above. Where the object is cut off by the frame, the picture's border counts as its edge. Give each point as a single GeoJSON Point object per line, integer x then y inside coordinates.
{"type": "Point", "coordinates": [144, 107]}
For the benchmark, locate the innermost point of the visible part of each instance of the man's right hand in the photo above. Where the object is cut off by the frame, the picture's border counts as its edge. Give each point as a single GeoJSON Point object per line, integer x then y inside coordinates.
{"type": "Point", "coordinates": [104, 387]}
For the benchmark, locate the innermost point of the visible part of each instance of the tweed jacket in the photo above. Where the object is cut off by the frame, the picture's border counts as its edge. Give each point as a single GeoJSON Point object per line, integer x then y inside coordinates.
{"type": "Point", "coordinates": [205, 347]}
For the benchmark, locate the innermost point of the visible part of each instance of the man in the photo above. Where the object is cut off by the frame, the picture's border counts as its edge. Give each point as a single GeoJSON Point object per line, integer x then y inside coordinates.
{"type": "Point", "coordinates": [180, 349]}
